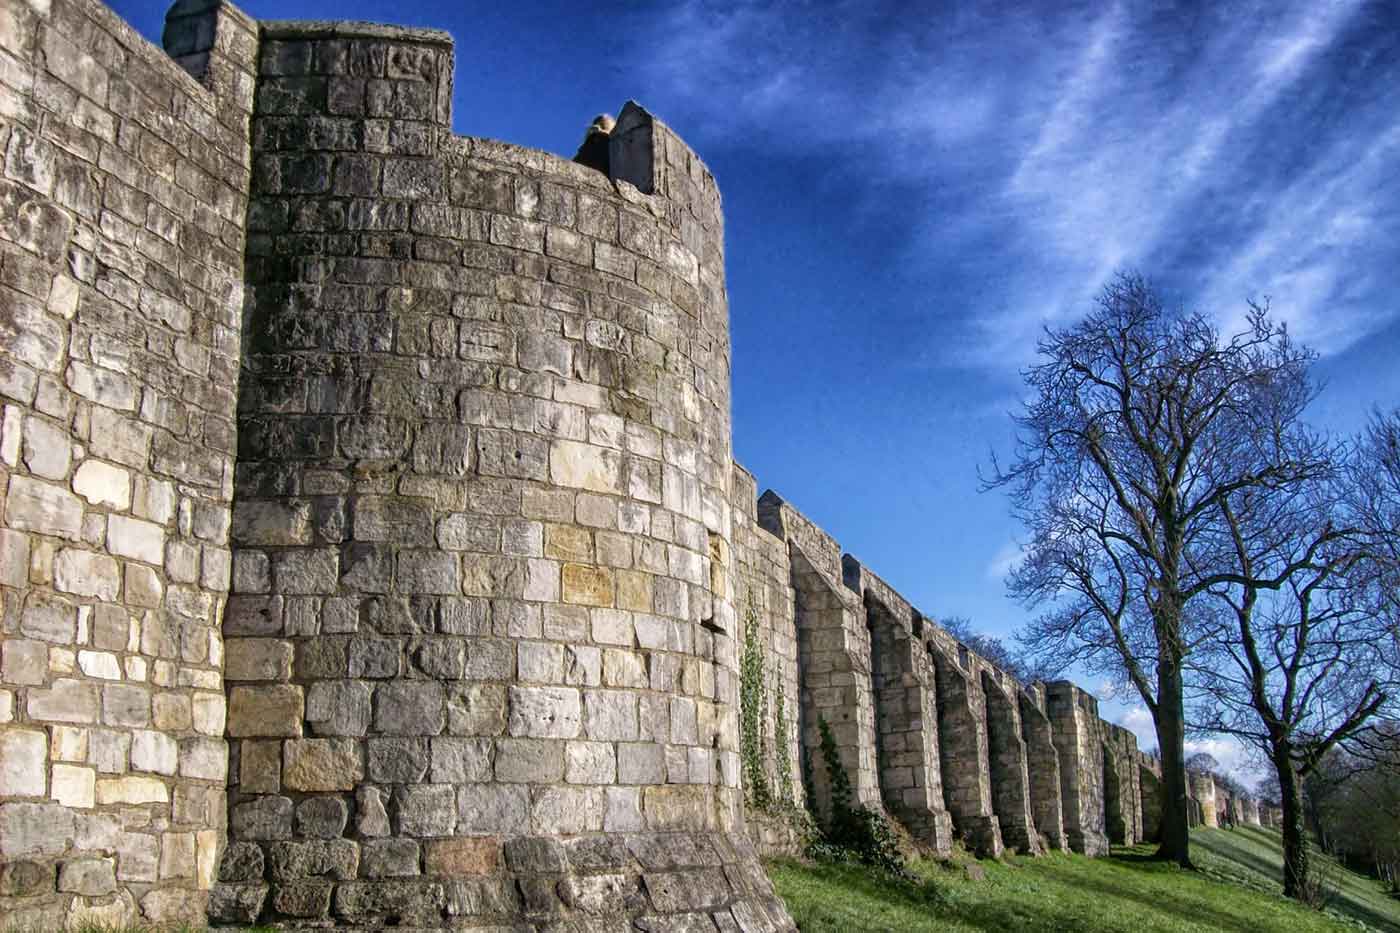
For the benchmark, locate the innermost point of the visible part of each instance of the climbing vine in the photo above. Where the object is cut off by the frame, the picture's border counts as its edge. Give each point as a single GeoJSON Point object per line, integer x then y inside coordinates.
{"type": "Point", "coordinates": [781, 738]}
{"type": "Point", "coordinates": [854, 832]}
{"type": "Point", "coordinates": [752, 704]}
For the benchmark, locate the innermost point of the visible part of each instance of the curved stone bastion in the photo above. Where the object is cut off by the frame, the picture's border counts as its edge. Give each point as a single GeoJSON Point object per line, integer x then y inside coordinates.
{"type": "Point", "coordinates": [480, 646]}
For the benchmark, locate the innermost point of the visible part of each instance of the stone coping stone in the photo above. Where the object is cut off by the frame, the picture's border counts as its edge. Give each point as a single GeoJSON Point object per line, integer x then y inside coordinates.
{"type": "Point", "coordinates": [350, 29]}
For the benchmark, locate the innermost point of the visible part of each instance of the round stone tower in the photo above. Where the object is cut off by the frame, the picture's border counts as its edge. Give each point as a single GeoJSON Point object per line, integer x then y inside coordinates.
{"type": "Point", "coordinates": [480, 649]}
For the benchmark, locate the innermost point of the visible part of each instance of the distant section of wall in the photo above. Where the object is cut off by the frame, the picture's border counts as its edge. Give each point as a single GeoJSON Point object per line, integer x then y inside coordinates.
{"type": "Point", "coordinates": [941, 739]}
{"type": "Point", "coordinates": [122, 208]}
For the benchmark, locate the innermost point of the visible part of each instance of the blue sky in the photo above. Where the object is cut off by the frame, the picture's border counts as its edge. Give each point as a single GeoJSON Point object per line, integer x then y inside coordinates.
{"type": "Point", "coordinates": [912, 193]}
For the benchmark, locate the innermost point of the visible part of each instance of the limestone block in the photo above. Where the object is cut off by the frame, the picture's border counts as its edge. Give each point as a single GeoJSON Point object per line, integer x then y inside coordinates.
{"type": "Point", "coordinates": [154, 500]}
{"type": "Point", "coordinates": [585, 466]}
{"type": "Point", "coordinates": [28, 829]}
{"type": "Point", "coordinates": [50, 618]}
{"type": "Point", "coordinates": [47, 450]}
{"type": "Point", "coordinates": [544, 712]}
{"type": "Point", "coordinates": [100, 664]}
{"type": "Point", "coordinates": [14, 558]}
{"type": "Point", "coordinates": [251, 659]}
{"type": "Point", "coordinates": [456, 858]}
{"type": "Point", "coordinates": [126, 705]}
{"type": "Point", "coordinates": [135, 538]}
{"type": "Point", "coordinates": [529, 761]}
{"type": "Point", "coordinates": [206, 857]}
{"type": "Point", "coordinates": [46, 509]}
{"type": "Point", "coordinates": [177, 855]}
{"type": "Point", "coordinates": [272, 523]}
{"type": "Point", "coordinates": [90, 877]}
{"type": "Point", "coordinates": [409, 708]}
{"type": "Point", "coordinates": [586, 585]}
{"type": "Point", "coordinates": [589, 763]}
{"type": "Point", "coordinates": [317, 765]}
{"type": "Point", "coordinates": [103, 484]}
{"type": "Point", "coordinates": [610, 715]}
{"type": "Point", "coordinates": [457, 760]}
{"type": "Point", "coordinates": [208, 713]}
{"type": "Point", "coordinates": [66, 701]}
{"type": "Point", "coordinates": [260, 767]}
{"type": "Point", "coordinates": [86, 573]}
{"type": "Point", "coordinates": [204, 758]}
{"type": "Point", "coordinates": [132, 789]}
{"type": "Point", "coordinates": [338, 707]}
{"type": "Point", "coordinates": [73, 786]}
{"type": "Point", "coordinates": [154, 751]}
{"type": "Point", "coordinates": [390, 858]}
{"type": "Point", "coordinates": [426, 809]}
{"type": "Point", "coordinates": [265, 710]}
{"type": "Point", "coordinates": [565, 810]}
{"type": "Point", "coordinates": [143, 587]}
{"type": "Point", "coordinates": [493, 808]}
{"type": "Point", "coordinates": [23, 762]}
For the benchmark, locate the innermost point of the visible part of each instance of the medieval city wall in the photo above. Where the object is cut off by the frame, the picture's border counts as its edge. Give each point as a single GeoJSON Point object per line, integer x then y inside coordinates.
{"type": "Point", "coordinates": [371, 547]}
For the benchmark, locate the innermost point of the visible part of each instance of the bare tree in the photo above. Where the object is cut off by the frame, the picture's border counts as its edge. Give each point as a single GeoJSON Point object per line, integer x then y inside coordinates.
{"type": "Point", "coordinates": [1142, 421]}
{"type": "Point", "coordinates": [1301, 659]}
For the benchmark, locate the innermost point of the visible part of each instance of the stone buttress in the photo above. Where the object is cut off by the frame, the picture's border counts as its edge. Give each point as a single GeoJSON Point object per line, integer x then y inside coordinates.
{"type": "Point", "coordinates": [481, 647]}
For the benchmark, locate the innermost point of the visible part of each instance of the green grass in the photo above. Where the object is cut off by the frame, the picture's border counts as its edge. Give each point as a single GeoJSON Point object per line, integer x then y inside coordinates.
{"type": "Point", "coordinates": [1251, 856]}
{"type": "Point", "coordinates": [1126, 893]}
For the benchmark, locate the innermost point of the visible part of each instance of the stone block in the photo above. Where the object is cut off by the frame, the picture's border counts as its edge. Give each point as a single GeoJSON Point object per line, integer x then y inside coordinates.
{"type": "Point", "coordinates": [23, 762]}
{"type": "Point", "coordinates": [132, 790]}
{"type": "Point", "coordinates": [338, 707]}
{"type": "Point", "coordinates": [529, 761]}
{"type": "Point", "coordinates": [177, 855]}
{"type": "Point", "coordinates": [544, 712]}
{"type": "Point", "coordinates": [266, 710]}
{"type": "Point", "coordinates": [265, 818]}
{"type": "Point", "coordinates": [66, 701]}
{"type": "Point", "coordinates": [319, 765]}
{"type": "Point", "coordinates": [321, 817]}
{"type": "Point", "coordinates": [33, 505]}
{"type": "Point", "coordinates": [90, 877]}
{"type": "Point", "coordinates": [457, 858]}
{"type": "Point", "coordinates": [390, 858]}
{"type": "Point", "coordinates": [137, 539]}
{"type": "Point", "coordinates": [409, 708]}
{"type": "Point", "coordinates": [586, 585]}
{"type": "Point", "coordinates": [154, 751]}
{"type": "Point", "coordinates": [86, 573]}
{"type": "Point", "coordinates": [252, 659]}
{"type": "Point", "coordinates": [426, 810]}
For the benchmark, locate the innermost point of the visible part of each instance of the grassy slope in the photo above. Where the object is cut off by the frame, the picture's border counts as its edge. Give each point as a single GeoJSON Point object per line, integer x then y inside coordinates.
{"type": "Point", "coordinates": [1124, 894]}
{"type": "Point", "coordinates": [1251, 856]}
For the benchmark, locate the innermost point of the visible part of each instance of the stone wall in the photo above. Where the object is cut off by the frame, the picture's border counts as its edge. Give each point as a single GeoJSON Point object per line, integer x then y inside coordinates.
{"type": "Point", "coordinates": [944, 741]}
{"type": "Point", "coordinates": [122, 208]}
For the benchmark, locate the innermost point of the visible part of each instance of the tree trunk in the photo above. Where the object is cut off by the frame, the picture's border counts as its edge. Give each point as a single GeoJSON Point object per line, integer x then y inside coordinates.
{"type": "Point", "coordinates": [1295, 841]}
{"type": "Point", "coordinates": [1170, 720]}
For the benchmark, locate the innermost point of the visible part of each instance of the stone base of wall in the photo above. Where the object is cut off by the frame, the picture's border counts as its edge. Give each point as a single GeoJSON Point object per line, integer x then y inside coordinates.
{"type": "Point", "coordinates": [640, 881]}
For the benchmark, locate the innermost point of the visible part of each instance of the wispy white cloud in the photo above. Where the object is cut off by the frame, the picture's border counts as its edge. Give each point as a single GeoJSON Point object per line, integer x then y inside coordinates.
{"type": "Point", "coordinates": [1004, 560]}
{"type": "Point", "coordinates": [1230, 152]}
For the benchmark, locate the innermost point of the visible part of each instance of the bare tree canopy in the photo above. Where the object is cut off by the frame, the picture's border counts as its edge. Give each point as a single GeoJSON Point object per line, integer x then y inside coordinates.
{"type": "Point", "coordinates": [1143, 422]}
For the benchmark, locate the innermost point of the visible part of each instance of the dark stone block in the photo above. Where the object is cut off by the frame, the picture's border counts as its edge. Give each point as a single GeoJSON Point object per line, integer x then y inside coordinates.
{"type": "Point", "coordinates": [242, 861]}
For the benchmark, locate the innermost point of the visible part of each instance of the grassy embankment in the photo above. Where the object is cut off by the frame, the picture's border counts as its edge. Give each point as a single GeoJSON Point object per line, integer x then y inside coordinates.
{"type": "Point", "coordinates": [1236, 891]}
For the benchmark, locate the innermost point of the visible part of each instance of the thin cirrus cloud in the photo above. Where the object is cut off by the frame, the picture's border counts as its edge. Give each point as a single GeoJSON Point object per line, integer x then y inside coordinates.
{"type": "Point", "coordinates": [1229, 151]}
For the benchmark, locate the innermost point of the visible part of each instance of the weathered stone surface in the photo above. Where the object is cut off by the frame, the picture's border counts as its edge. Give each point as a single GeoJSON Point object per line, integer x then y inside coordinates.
{"type": "Point", "coordinates": [321, 764]}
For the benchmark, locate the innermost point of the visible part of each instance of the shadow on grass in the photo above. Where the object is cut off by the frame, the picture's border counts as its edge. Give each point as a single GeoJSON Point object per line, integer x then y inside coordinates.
{"type": "Point", "coordinates": [1199, 910]}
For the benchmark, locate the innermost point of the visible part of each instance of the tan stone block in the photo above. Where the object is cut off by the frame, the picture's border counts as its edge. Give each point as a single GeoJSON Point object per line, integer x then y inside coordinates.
{"type": "Point", "coordinates": [587, 586]}
{"type": "Point", "coordinates": [170, 712]}
{"type": "Point", "coordinates": [634, 590]}
{"type": "Point", "coordinates": [68, 743]}
{"type": "Point", "coordinates": [265, 710]}
{"type": "Point", "coordinates": [143, 587]}
{"type": "Point", "coordinates": [260, 767]}
{"type": "Point", "coordinates": [132, 790]}
{"type": "Point", "coordinates": [455, 858]}
{"type": "Point", "coordinates": [568, 542]}
{"type": "Point", "coordinates": [257, 659]}
{"type": "Point", "coordinates": [208, 711]}
{"type": "Point", "coordinates": [177, 855]}
{"type": "Point", "coordinates": [321, 764]}
{"type": "Point", "coordinates": [677, 808]}
{"type": "Point", "coordinates": [206, 857]}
